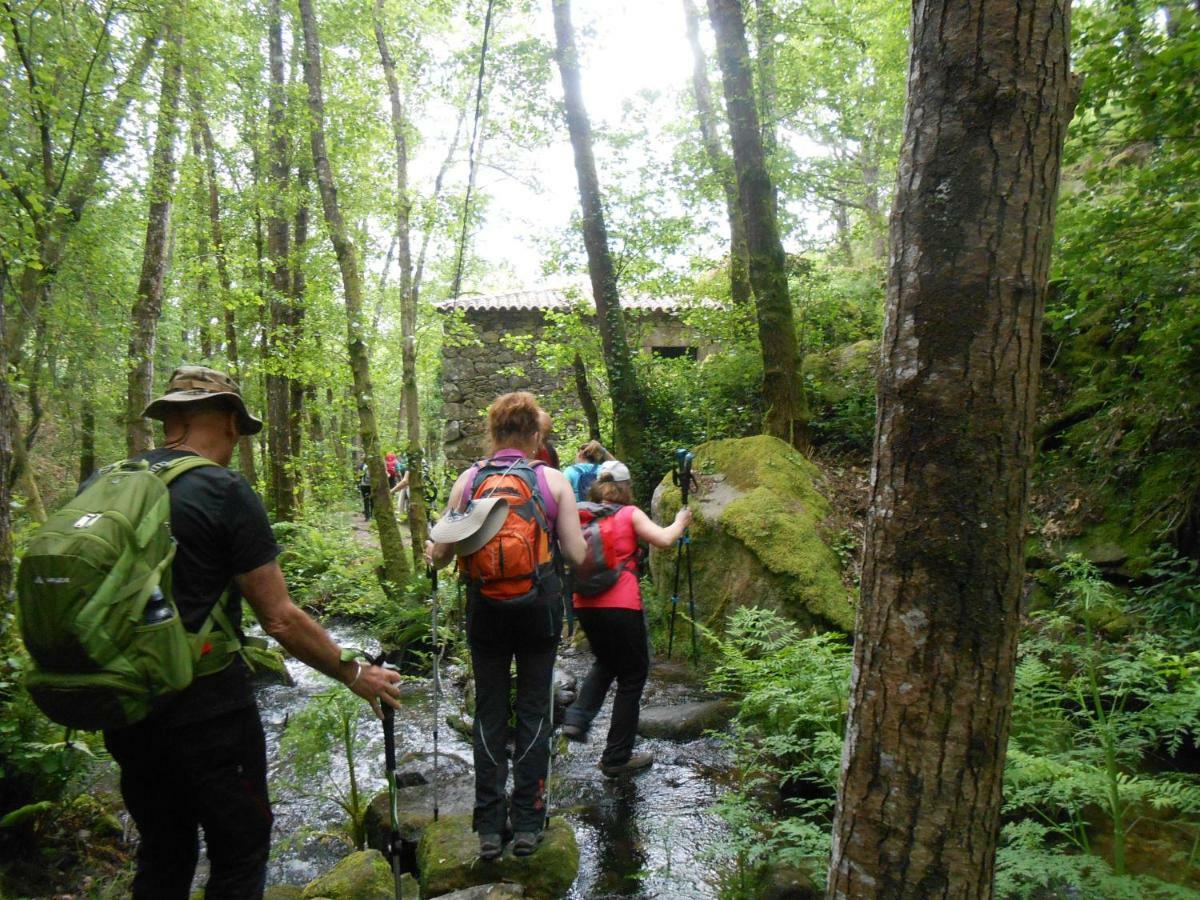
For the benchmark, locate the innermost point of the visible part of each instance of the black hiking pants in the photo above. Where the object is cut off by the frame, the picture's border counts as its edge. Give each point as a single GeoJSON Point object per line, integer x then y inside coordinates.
{"type": "Point", "coordinates": [177, 780]}
{"type": "Point", "coordinates": [618, 639]}
{"type": "Point", "coordinates": [498, 637]}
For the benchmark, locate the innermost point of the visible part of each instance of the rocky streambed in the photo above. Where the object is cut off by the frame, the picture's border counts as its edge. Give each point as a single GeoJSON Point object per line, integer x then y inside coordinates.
{"type": "Point", "coordinates": [652, 835]}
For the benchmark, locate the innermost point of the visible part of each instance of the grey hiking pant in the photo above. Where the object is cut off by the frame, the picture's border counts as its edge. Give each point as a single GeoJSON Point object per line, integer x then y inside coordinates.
{"type": "Point", "coordinates": [498, 637]}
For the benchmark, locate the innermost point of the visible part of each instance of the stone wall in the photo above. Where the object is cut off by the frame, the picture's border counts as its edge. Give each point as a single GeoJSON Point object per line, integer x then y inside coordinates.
{"type": "Point", "coordinates": [474, 375]}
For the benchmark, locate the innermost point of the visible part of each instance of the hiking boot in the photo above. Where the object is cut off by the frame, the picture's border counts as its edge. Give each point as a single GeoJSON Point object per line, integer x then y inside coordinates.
{"type": "Point", "coordinates": [636, 762]}
{"type": "Point", "coordinates": [490, 846]}
{"type": "Point", "coordinates": [525, 842]}
{"type": "Point", "coordinates": [574, 733]}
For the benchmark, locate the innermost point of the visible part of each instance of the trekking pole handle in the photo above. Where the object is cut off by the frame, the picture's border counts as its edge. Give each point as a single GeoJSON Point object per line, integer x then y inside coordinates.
{"type": "Point", "coordinates": [432, 573]}
{"type": "Point", "coordinates": [684, 477]}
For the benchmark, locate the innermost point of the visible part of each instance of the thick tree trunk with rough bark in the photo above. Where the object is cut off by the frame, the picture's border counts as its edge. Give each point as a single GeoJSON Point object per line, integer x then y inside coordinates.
{"type": "Point", "coordinates": [7, 439]}
{"type": "Point", "coordinates": [626, 394]}
{"type": "Point", "coordinates": [989, 98]}
{"type": "Point", "coordinates": [147, 308]}
{"type": "Point", "coordinates": [417, 516]}
{"type": "Point", "coordinates": [279, 432]}
{"type": "Point", "coordinates": [396, 568]}
{"type": "Point", "coordinates": [718, 159]}
{"type": "Point", "coordinates": [787, 417]}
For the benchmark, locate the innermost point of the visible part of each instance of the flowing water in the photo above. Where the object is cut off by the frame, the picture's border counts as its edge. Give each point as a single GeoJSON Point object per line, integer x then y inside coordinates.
{"type": "Point", "coordinates": [652, 835]}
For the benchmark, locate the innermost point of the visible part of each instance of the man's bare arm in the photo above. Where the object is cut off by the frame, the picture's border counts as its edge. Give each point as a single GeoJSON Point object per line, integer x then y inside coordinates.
{"type": "Point", "coordinates": [299, 634]}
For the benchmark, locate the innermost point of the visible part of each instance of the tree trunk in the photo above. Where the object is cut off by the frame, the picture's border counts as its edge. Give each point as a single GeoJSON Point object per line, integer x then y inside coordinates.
{"type": "Point", "coordinates": [718, 159]}
{"type": "Point", "coordinates": [282, 493]}
{"type": "Point", "coordinates": [147, 308]}
{"type": "Point", "coordinates": [587, 402]}
{"type": "Point", "coordinates": [786, 415]}
{"type": "Point", "coordinates": [396, 568]}
{"type": "Point", "coordinates": [628, 405]}
{"type": "Point", "coordinates": [217, 234]}
{"type": "Point", "coordinates": [296, 386]}
{"type": "Point", "coordinates": [87, 436]}
{"type": "Point", "coordinates": [764, 38]}
{"type": "Point", "coordinates": [989, 98]}
{"type": "Point", "coordinates": [8, 438]}
{"type": "Point", "coordinates": [417, 517]}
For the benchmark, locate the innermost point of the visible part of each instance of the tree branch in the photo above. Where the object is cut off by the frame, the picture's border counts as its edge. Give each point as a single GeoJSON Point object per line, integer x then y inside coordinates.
{"type": "Point", "coordinates": [83, 95]}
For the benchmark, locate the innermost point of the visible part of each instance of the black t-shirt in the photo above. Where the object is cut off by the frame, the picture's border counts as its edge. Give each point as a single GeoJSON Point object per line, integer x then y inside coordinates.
{"type": "Point", "coordinates": [222, 530]}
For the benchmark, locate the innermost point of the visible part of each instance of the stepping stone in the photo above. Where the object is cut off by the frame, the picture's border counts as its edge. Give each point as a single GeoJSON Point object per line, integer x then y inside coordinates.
{"type": "Point", "coordinates": [414, 807]}
{"type": "Point", "coordinates": [685, 721]}
{"type": "Point", "coordinates": [365, 875]}
{"type": "Point", "coordinates": [448, 859]}
{"type": "Point", "coordinates": [486, 892]}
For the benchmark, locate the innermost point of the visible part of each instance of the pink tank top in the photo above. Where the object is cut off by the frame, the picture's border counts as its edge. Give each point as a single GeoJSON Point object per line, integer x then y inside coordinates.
{"type": "Point", "coordinates": [626, 593]}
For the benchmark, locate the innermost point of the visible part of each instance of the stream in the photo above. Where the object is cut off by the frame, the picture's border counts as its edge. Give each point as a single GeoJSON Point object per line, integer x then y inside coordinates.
{"type": "Point", "coordinates": [652, 835]}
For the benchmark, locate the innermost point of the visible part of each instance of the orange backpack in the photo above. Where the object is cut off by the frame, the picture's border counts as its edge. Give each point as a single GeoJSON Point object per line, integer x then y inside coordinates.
{"type": "Point", "coordinates": [508, 568]}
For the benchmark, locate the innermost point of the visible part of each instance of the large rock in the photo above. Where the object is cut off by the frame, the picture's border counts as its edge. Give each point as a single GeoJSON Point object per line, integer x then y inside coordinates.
{"type": "Point", "coordinates": [486, 892]}
{"type": "Point", "coordinates": [283, 892]}
{"type": "Point", "coordinates": [414, 809]}
{"type": "Point", "coordinates": [448, 859]}
{"type": "Point", "coordinates": [685, 721]}
{"type": "Point", "coordinates": [365, 875]}
{"type": "Point", "coordinates": [268, 666]}
{"type": "Point", "coordinates": [757, 536]}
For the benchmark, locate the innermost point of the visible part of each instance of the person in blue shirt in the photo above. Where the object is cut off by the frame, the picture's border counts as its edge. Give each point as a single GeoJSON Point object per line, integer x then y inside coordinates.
{"type": "Point", "coordinates": [586, 467]}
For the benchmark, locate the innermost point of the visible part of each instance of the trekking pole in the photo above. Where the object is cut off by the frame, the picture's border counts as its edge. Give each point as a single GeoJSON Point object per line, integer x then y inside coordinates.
{"type": "Point", "coordinates": [389, 759]}
{"type": "Point", "coordinates": [687, 481]}
{"type": "Point", "coordinates": [681, 475]}
{"type": "Point", "coordinates": [437, 685]}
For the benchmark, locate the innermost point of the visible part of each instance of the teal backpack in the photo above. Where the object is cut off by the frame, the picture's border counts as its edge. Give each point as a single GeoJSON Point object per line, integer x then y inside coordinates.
{"type": "Point", "coordinates": [96, 610]}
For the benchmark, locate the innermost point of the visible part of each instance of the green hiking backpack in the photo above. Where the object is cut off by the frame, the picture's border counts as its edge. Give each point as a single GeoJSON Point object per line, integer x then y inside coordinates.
{"type": "Point", "coordinates": [96, 609]}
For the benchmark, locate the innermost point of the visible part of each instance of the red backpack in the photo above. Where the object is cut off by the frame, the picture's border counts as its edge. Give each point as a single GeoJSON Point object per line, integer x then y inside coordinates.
{"type": "Point", "coordinates": [601, 567]}
{"type": "Point", "coordinates": [508, 568]}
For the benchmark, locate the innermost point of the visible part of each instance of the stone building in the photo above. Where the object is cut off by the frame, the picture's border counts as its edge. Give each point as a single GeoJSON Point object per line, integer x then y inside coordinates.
{"type": "Point", "coordinates": [478, 366]}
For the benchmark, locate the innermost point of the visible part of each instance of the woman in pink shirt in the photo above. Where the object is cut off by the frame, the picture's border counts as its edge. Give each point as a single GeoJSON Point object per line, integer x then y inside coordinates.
{"type": "Point", "coordinates": [615, 625]}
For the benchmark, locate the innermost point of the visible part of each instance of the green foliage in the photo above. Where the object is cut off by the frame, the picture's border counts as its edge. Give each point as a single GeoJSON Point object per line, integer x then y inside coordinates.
{"type": "Point", "coordinates": [786, 737]}
{"type": "Point", "coordinates": [326, 572]}
{"type": "Point", "coordinates": [1087, 717]}
{"type": "Point", "coordinates": [1170, 602]}
{"type": "Point", "coordinates": [320, 740]}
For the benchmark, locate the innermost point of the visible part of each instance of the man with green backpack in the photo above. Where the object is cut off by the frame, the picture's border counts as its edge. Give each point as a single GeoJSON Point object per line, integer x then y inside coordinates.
{"type": "Point", "coordinates": [130, 603]}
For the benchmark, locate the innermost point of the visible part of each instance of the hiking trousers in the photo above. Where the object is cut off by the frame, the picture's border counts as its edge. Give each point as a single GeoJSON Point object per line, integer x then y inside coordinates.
{"type": "Point", "coordinates": [497, 638]}
{"type": "Point", "coordinates": [618, 640]}
{"type": "Point", "coordinates": [211, 775]}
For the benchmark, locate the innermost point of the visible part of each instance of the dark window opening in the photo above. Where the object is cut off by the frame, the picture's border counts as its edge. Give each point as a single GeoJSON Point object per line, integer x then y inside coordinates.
{"type": "Point", "coordinates": [692, 353]}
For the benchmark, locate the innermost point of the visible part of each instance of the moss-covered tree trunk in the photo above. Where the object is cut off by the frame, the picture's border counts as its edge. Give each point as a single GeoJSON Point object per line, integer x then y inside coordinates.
{"type": "Point", "coordinates": [627, 401]}
{"type": "Point", "coordinates": [147, 307]}
{"type": "Point", "coordinates": [718, 159]}
{"type": "Point", "coordinates": [395, 563]}
{"type": "Point", "coordinates": [417, 516]}
{"type": "Point", "coordinates": [989, 97]}
{"type": "Point", "coordinates": [787, 417]}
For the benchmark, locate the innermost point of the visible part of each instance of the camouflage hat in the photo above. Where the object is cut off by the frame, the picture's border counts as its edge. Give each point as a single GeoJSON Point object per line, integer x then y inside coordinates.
{"type": "Point", "coordinates": [191, 383]}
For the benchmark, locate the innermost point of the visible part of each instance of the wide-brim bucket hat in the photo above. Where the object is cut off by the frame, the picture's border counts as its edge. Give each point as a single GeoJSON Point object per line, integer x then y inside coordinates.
{"type": "Point", "coordinates": [471, 528]}
{"type": "Point", "coordinates": [190, 384]}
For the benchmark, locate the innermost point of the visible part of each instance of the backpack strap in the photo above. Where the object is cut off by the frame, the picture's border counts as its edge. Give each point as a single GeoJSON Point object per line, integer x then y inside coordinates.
{"type": "Point", "coordinates": [210, 652]}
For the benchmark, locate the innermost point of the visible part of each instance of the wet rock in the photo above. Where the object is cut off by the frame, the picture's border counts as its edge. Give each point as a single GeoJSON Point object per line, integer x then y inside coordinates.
{"type": "Point", "coordinates": [462, 726]}
{"type": "Point", "coordinates": [486, 892]}
{"type": "Point", "coordinates": [1106, 555]}
{"type": "Point", "coordinates": [784, 882]}
{"type": "Point", "coordinates": [756, 537]}
{"type": "Point", "coordinates": [267, 666]}
{"type": "Point", "coordinates": [283, 892]}
{"type": "Point", "coordinates": [448, 859]}
{"type": "Point", "coordinates": [414, 808]}
{"type": "Point", "coordinates": [360, 876]}
{"type": "Point", "coordinates": [685, 721]}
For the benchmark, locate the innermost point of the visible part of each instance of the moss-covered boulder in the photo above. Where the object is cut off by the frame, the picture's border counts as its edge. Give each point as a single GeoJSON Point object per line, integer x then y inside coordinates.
{"type": "Point", "coordinates": [757, 535]}
{"type": "Point", "coordinates": [365, 875]}
{"type": "Point", "coordinates": [268, 666]}
{"type": "Point", "coordinates": [283, 892]}
{"type": "Point", "coordinates": [841, 394]}
{"type": "Point", "coordinates": [414, 808]}
{"type": "Point", "coordinates": [448, 859]}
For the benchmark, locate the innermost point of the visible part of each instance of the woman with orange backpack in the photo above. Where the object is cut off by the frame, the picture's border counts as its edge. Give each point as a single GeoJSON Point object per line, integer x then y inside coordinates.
{"type": "Point", "coordinates": [514, 612]}
{"type": "Point", "coordinates": [613, 617]}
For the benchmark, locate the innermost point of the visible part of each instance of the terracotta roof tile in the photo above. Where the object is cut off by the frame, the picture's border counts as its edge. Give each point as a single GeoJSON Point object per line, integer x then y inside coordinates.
{"type": "Point", "coordinates": [551, 298]}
